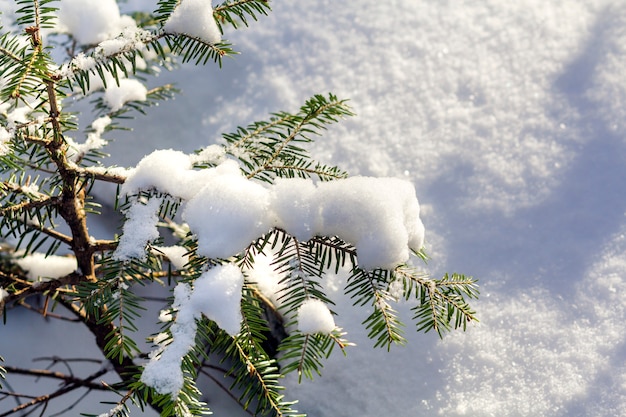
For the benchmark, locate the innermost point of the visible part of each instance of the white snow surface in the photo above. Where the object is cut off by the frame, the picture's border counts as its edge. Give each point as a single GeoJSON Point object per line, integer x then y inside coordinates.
{"type": "Point", "coordinates": [509, 120]}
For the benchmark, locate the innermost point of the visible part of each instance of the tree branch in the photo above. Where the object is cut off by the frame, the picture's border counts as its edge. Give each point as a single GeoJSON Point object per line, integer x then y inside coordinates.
{"type": "Point", "coordinates": [69, 379]}
{"type": "Point", "coordinates": [64, 390]}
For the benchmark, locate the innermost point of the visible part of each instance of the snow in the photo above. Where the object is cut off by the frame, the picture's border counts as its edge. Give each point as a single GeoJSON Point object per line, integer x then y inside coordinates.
{"type": "Point", "coordinates": [380, 216]}
{"type": "Point", "coordinates": [227, 214]}
{"type": "Point", "coordinates": [315, 317]}
{"type": "Point", "coordinates": [5, 138]}
{"type": "Point", "coordinates": [91, 22]}
{"type": "Point", "coordinates": [116, 95]}
{"type": "Point", "coordinates": [170, 171]}
{"type": "Point", "coordinates": [113, 412]}
{"type": "Point", "coordinates": [3, 294]}
{"type": "Point", "coordinates": [217, 295]}
{"type": "Point", "coordinates": [40, 267]}
{"type": "Point", "coordinates": [194, 18]}
{"type": "Point", "coordinates": [295, 207]}
{"type": "Point", "coordinates": [177, 255]}
{"type": "Point", "coordinates": [508, 119]}
{"type": "Point", "coordinates": [226, 211]}
{"type": "Point", "coordinates": [139, 229]}
{"type": "Point", "coordinates": [94, 139]}
{"type": "Point", "coordinates": [131, 38]}
{"type": "Point", "coordinates": [265, 278]}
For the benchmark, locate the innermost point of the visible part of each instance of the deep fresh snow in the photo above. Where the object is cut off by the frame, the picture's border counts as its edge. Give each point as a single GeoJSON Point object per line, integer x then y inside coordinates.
{"type": "Point", "coordinates": [510, 120]}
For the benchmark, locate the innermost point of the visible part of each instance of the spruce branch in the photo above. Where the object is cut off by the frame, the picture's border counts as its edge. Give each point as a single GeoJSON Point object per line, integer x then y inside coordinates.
{"type": "Point", "coordinates": [232, 12]}
{"type": "Point", "coordinates": [370, 287]}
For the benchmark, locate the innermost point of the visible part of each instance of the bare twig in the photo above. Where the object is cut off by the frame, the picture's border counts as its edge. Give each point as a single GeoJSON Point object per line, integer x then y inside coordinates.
{"type": "Point", "coordinates": [44, 399]}
{"type": "Point", "coordinates": [69, 379]}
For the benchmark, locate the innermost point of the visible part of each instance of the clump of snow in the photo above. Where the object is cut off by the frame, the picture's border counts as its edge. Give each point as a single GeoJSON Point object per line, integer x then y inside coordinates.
{"type": "Point", "coordinates": [171, 171]}
{"type": "Point", "coordinates": [3, 294]}
{"type": "Point", "coordinates": [315, 317]}
{"type": "Point", "coordinates": [18, 115]}
{"type": "Point", "coordinates": [118, 171]}
{"type": "Point", "coordinates": [32, 190]}
{"type": "Point", "coordinates": [216, 295]}
{"type": "Point", "coordinates": [131, 38]}
{"type": "Point", "coordinates": [295, 206]}
{"type": "Point", "coordinates": [227, 211]}
{"type": "Point", "coordinates": [80, 62]}
{"type": "Point", "coordinates": [177, 255]}
{"type": "Point", "coordinates": [194, 18]}
{"type": "Point", "coordinates": [39, 266]}
{"type": "Point", "coordinates": [380, 216]}
{"type": "Point", "coordinates": [139, 229]}
{"type": "Point", "coordinates": [115, 411]}
{"type": "Point", "coordinates": [91, 22]}
{"type": "Point", "coordinates": [228, 214]}
{"type": "Point", "coordinates": [116, 95]}
{"type": "Point", "coordinates": [212, 154]}
{"type": "Point", "coordinates": [165, 316]}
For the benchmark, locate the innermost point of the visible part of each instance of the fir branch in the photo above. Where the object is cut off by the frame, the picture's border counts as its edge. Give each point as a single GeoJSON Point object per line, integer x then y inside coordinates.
{"type": "Point", "coordinates": [303, 352]}
{"type": "Point", "coordinates": [29, 288]}
{"type": "Point", "coordinates": [314, 115]}
{"type": "Point", "coordinates": [265, 376]}
{"type": "Point", "coordinates": [96, 173]}
{"type": "Point", "coordinates": [441, 302]}
{"type": "Point", "coordinates": [41, 201]}
{"type": "Point", "coordinates": [230, 11]}
{"type": "Point", "coordinates": [371, 288]}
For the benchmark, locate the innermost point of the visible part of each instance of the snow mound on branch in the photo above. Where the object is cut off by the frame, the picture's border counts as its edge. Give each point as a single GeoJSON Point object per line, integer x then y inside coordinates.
{"type": "Point", "coordinates": [39, 266]}
{"type": "Point", "coordinates": [227, 211]}
{"type": "Point", "coordinates": [91, 22]}
{"type": "Point", "coordinates": [228, 214]}
{"type": "Point", "coordinates": [379, 216]}
{"type": "Point", "coordinates": [315, 317]}
{"type": "Point", "coordinates": [194, 18]}
{"type": "Point", "coordinates": [116, 95]}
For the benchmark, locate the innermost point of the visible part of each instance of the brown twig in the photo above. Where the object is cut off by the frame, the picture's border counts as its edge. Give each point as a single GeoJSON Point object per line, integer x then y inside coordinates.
{"type": "Point", "coordinates": [69, 379]}
{"type": "Point", "coordinates": [44, 399]}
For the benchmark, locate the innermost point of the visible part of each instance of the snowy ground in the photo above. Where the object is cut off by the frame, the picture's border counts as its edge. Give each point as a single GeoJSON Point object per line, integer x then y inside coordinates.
{"type": "Point", "coordinates": [510, 119]}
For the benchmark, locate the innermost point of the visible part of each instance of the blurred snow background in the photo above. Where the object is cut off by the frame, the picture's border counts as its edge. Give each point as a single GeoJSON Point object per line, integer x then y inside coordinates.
{"type": "Point", "coordinates": [510, 120]}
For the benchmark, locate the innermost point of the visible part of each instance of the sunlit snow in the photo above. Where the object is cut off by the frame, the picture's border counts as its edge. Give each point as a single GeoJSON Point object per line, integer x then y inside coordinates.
{"type": "Point", "coordinates": [509, 120]}
{"type": "Point", "coordinates": [315, 317]}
